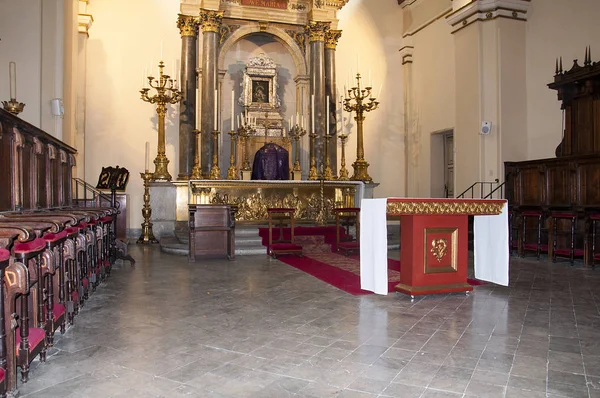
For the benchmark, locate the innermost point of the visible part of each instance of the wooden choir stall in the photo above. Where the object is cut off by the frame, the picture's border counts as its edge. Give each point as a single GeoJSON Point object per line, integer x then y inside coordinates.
{"type": "Point", "coordinates": [53, 254]}
{"type": "Point", "coordinates": [554, 202]}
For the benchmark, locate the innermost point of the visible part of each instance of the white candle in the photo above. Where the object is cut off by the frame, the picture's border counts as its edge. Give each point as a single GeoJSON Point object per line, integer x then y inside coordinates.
{"type": "Point", "coordinates": [327, 126]}
{"type": "Point", "coordinates": [379, 94]}
{"type": "Point", "coordinates": [370, 79]}
{"type": "Point", "coordinates": [147, 163]}
{"type": "Point", "coordinates": [312, 108]}
{"type": "Point", "coordinates": [357, 63]}
{"type": "Point", "coordinates": [216, 117]}
{"type": "Point", "coordinates": [161, 50]}
{"type": "Point", "coordinates": [232, 108]}
{"type": "Point", "coordinates": [12, 72]}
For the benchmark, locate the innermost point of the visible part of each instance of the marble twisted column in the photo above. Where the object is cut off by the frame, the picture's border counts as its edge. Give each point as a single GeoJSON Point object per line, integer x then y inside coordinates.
{"type": "Point", "coordinates": [188, 27]}
{"type": "Point", "coordinates": [210, 21]}
{"type": "Point", "coordinates": [331, 39]}
{"type": "Point", "coordinates": [316, 37]}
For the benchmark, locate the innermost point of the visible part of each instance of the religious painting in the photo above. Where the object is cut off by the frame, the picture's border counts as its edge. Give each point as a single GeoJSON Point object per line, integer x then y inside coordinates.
{"type": "Point", "coordinates": [260, 91]}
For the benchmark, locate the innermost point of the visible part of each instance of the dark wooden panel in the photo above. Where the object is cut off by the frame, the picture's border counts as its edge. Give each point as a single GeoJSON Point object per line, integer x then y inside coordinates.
{"type": "Point", "coordinates": [5, 171]}
{"type": "Point", "coordinates": [27, 180]}
{"type": "Point", "coordinates": [212, 231]}
{"type": "Point", "coordinates": [559, 186]}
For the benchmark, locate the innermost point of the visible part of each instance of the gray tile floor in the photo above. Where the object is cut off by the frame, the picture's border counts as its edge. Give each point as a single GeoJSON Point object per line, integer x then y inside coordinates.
{"type": "Point", "coordinates": [259, 328]}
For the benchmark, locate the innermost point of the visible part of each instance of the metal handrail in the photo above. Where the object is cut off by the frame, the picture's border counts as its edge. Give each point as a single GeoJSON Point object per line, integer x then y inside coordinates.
{"type": "Point", "coordinates": [481, 185]}
{"type": "Point", "coordinates": [499, 187]}
{"type": "Point", "coordinates": [97, 194]}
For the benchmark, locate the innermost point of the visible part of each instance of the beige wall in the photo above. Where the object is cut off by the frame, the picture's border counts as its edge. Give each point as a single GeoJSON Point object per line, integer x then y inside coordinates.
{"type": "Point", "coordinates": [554, 29]}
{"type": "Point", "coordinates": [124, 39]}
{"type": "Point", "coordinates": [373, 30]}
{"type": "Point", "coordinates": [434, 95]}
{"type": "Point", "coordinates": [21, 33]}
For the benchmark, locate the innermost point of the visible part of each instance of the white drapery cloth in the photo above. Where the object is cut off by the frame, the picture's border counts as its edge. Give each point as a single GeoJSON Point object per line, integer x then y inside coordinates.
{"type": "Point", "coordinates": [491, 247]}
{"type": "Point", "coordinates": [373, 246]}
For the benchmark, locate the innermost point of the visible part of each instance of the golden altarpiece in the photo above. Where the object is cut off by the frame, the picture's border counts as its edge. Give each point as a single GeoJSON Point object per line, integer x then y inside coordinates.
{"type": "Point", "coordinates": [262, 111]}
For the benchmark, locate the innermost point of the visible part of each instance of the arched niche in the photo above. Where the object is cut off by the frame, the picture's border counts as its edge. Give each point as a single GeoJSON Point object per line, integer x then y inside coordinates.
{"type": "Point", "coordinates": [278, 34]}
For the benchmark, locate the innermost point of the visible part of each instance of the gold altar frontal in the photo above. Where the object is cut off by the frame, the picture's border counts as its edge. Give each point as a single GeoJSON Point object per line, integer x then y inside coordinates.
{"type": "Point", "coordinates": [314, 201]}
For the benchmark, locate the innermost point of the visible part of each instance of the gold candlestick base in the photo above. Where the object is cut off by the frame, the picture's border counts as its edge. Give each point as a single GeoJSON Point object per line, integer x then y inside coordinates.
{"type": "Point", "coordinates": [147, 236]}
{"type": "Point", "coordinates": [360, 171]}
{"type": "Point", "coordinates": [160, 171]}
{"type": "Point", "coordinates": [343, 170]}
{"type": "Point", "coordinates": [215, 171]}
{"type": "Point", "coordinates": [232, 170]}
{"type": "Point", "coordinates": [196, 170]}
{"type": "Point", "coordinates": [13, 106]}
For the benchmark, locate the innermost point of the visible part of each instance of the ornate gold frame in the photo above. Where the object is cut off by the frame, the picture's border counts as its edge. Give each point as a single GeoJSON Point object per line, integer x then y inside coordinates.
{"type": "Point", "coordinates": [453, 246]}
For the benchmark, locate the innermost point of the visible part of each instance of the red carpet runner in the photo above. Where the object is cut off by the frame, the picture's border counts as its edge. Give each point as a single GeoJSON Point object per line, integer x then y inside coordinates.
{"type": "Point", "coordinates": [332, 268]}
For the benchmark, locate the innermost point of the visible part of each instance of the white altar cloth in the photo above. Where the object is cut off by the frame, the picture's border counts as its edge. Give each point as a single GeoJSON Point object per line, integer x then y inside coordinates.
{"type": "Point", "coordinates": [490, 246]}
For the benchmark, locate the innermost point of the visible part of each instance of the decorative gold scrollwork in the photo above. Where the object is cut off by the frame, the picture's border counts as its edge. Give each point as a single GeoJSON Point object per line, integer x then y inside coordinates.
{"type": "Point", "coordinates": [439, 248]}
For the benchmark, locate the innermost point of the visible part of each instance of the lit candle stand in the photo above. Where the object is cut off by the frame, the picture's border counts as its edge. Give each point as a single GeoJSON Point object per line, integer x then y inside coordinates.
{"type": "Point", "coordinates": [196, 170]}
{"type": "Point", "coordinates": [297, 132]}
{"type": "Point", "coordinates": [360, 100]}
{"type": "Point", "coordinates": [166, 93]}
{"type": "Point", "coordinates": [343, 170]}
{"type": "Point", "coordinates": [215, 171]}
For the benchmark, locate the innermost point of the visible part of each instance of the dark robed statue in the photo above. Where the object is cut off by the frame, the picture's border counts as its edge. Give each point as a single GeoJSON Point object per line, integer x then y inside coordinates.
{"type": "Point", "coordinates": [271, 162]}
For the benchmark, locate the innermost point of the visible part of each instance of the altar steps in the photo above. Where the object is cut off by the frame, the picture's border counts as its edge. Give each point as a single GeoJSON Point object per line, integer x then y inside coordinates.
{"type": "Point", "coordinates": [247, 240]}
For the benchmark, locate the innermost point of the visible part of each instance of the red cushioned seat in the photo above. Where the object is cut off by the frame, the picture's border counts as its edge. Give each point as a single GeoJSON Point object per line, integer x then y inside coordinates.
{"type": "Point", "coordinates": [563, 215]}
{"type": "Point", "coordinates": [285, 246]}
{"type": "Point", "coordinates": [106, 219]}
{"type": "Point", "coordinates": [36, 336]}
{"type": "Point", "coordinates": [2, 374]}
{"type": "Point", "coordinates": [75, 296]}
{"type": "Point", "coordinates": [532, 213]}
{"type": "Point", "coordinates": [55, 237]}
{"type": "Point", "coordinates": [82, 225]}
{"type": "Point", "coordinates": [349, 245]}
{"type": "Point", "coordinates": [4, 255]}
{"type": "Point", "coordinates": [58, 310]}
{"type": "Point", "coordinates": [533, 247]}
{"type": "Point", "coordinates": [595, 216]}
{"type": "Point", "coordinates": [567, 252]}
{"type": "Point", "coordinates": [38, 244]}
{"type": "Point", "coordinates": [72, 231]}
{"type": "Point", "coordinates": [84, 283]}
{"type": "Point", "coordinates": [93, 222]}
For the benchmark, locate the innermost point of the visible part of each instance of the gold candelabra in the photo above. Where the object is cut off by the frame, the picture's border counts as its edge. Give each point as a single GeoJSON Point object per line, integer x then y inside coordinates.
{"type": "Point", "coordinates": [312, 172]}
{"type": "Point", "coordinates": [321, 218]}
{"type": "Point", "coordinates": [13, 106]}
{"type": "Point", "coordinates": [343, 170]}
{"type": "Point", "coordinates": [327, 172]}
{"type": "Point", "coordinates": [147, 235]}
{"type": "Point", "coordinates": [232, 170]}
{"type": "Point", "coordinates": [297, 132]}
{"type": "Point", "coordinates": [215, 171]}
{"type": "Point", "coordinates": [360, 106]}
{"type": "Point", "coordinates": [196, 170]}
{"type": "Point", "coordinates": [166, 93]}
{"type": "Point", "coordinates": [244, 133]}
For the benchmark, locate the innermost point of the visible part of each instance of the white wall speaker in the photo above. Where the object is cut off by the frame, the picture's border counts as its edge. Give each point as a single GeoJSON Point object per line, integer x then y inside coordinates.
{"type": "Point", "coordinates": [57, 107]}
{"type": "Point", "coordinates": [486, 127]}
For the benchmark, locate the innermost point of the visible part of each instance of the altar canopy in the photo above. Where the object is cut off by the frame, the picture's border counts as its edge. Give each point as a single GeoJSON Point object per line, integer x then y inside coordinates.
{"type": "Point", "coordinates": [434, 243]}
{"type": "Point", "coordinates": [271, 162]}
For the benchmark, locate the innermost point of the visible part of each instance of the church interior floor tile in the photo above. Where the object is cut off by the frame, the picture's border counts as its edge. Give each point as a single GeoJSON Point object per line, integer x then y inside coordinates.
{"type": "Point", "coordinates": [255, 327]}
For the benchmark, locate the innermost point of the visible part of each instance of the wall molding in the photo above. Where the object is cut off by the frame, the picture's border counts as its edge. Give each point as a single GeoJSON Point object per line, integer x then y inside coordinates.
{"type": "Point", "coordinates": [487, 10]}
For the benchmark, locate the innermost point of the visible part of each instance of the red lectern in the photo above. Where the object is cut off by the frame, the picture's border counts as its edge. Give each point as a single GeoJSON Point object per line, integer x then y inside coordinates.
{"type": "Point", "coordinates": [434, 242]}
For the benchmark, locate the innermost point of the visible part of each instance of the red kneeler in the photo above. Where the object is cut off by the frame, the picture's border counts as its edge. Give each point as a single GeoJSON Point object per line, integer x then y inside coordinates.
{"type": "Point", "coordinates": [282, 245]}
{"type": "Point", "coordinates": [347, 243]}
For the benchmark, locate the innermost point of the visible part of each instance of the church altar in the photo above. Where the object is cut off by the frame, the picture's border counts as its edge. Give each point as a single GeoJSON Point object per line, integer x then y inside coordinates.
{"type": "Point", "coordinates": [434, 243]}
{"type": "Point", "coordinates": [169, 199]}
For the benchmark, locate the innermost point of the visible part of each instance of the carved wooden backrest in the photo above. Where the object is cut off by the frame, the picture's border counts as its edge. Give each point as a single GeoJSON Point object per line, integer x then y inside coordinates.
{"type": "Point", "coordinates": [16, 282]}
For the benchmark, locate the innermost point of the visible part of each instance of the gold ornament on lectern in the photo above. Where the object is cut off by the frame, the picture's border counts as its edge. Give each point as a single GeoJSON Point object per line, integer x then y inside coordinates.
{"type": "Point", "coordinates": [13, 106]}
{"type": "Point", "coordinates": [166, 93]}
{"type": "Point", "coordinates": [360, 96]}
{"type": "Point", "coordinates": [312, 172]}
